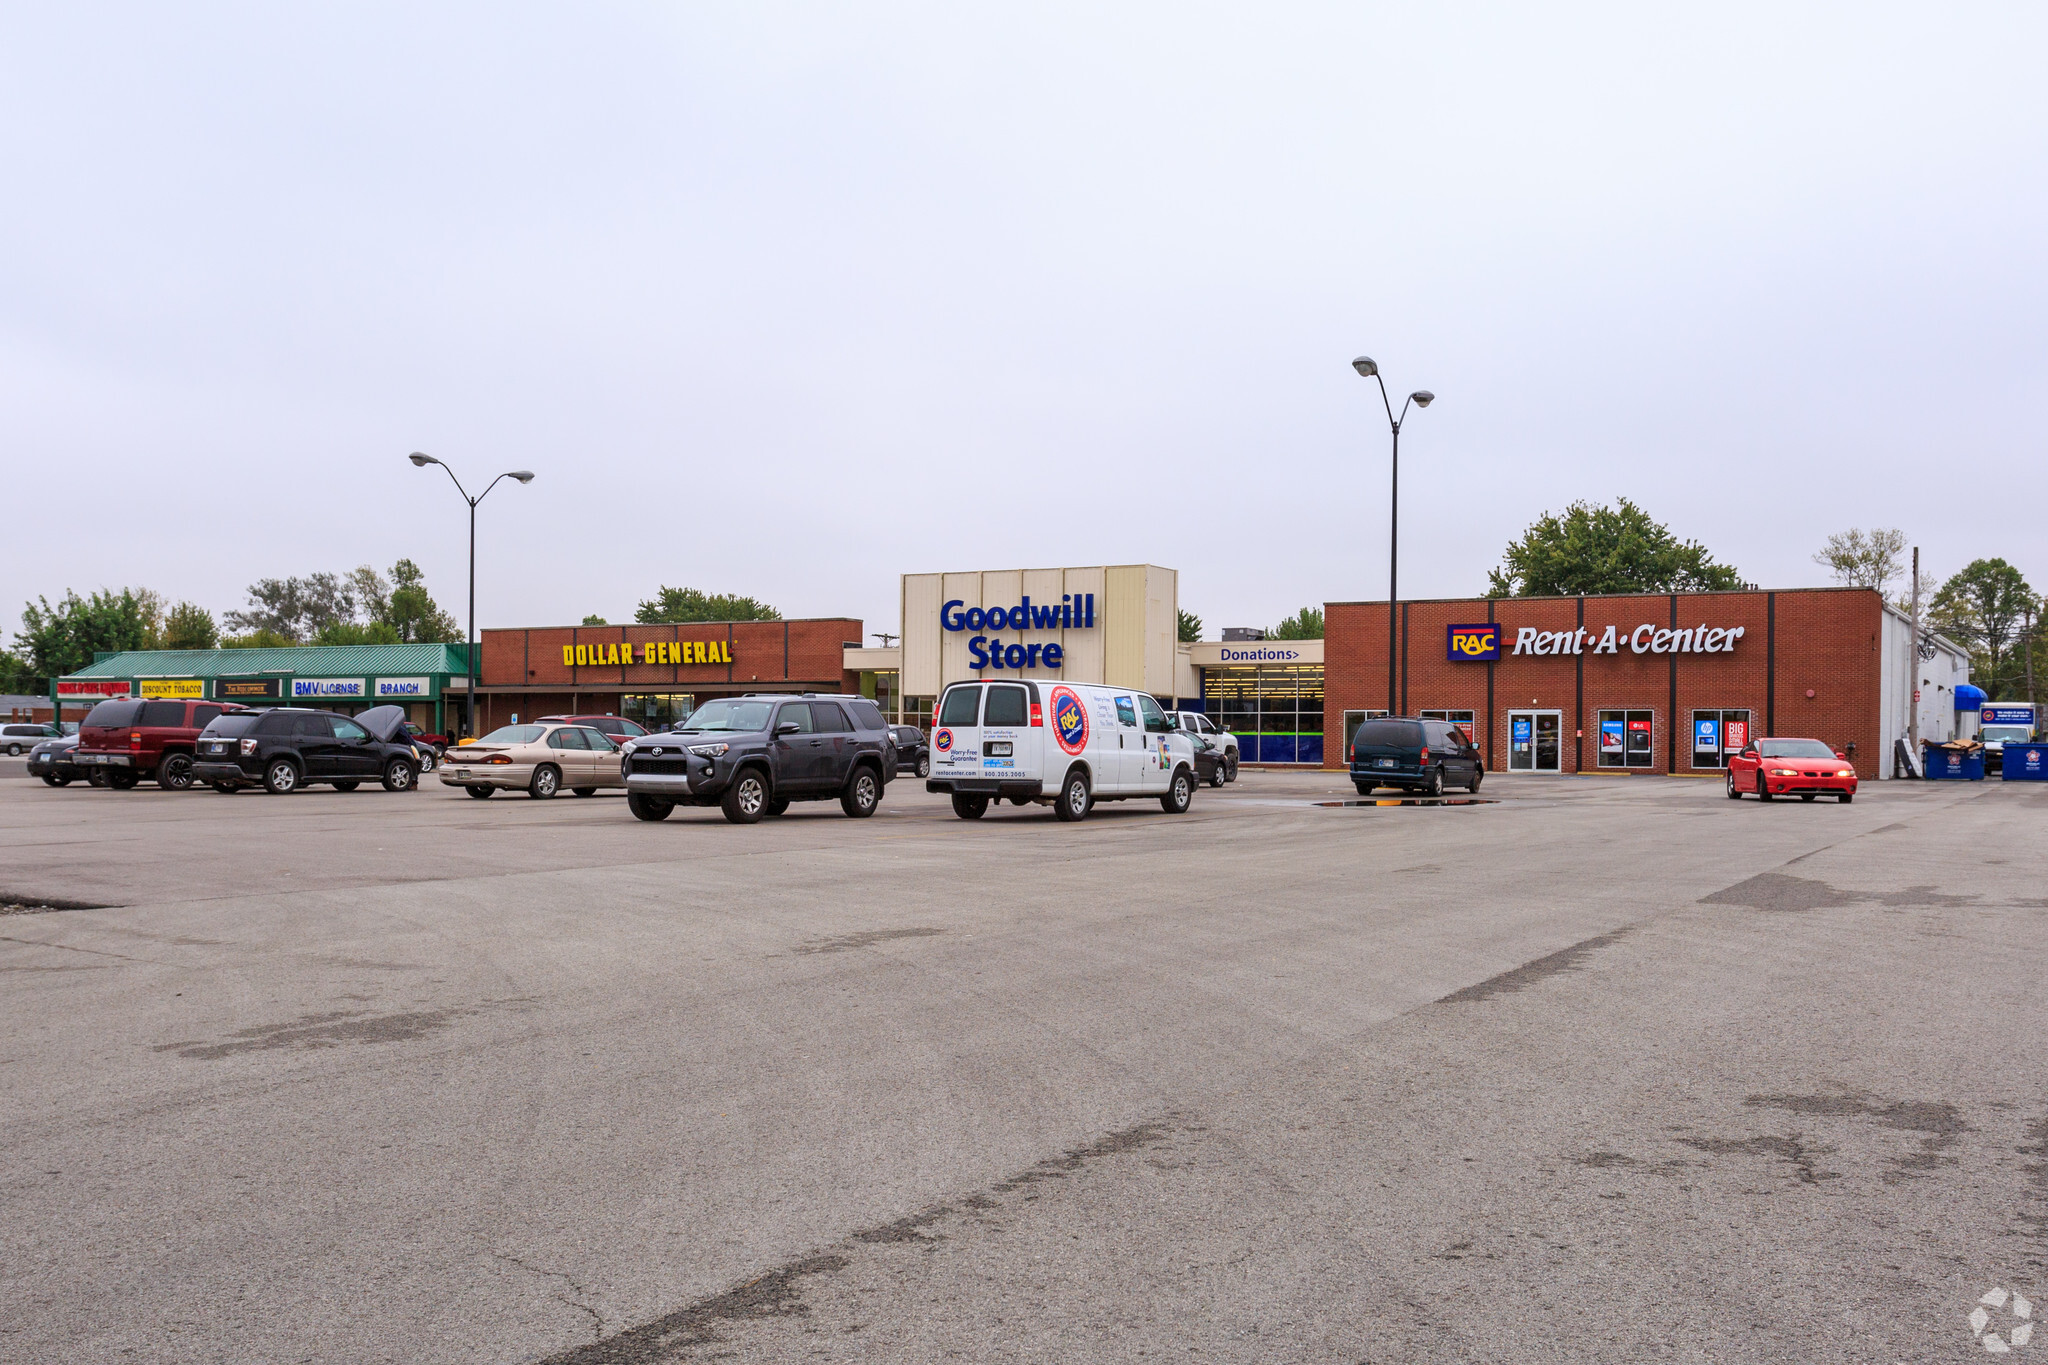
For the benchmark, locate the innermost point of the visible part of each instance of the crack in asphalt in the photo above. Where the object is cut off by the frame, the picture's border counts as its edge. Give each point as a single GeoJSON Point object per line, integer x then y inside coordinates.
{"type": "Point", "coordinates": [596, 1318]}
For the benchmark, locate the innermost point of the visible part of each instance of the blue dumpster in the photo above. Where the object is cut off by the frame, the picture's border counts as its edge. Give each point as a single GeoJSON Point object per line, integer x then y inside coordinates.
{"type": "Point", "coordinates": [2026, 762]}
{"type": "Point", "coordinates": [1954, 765]}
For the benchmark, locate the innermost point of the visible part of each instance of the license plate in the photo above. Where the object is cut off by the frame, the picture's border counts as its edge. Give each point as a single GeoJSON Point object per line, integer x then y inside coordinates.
{"type": "Point", "coordinates": [462, 772]}
{"type": "Point", "coordinates": [998, 750]}
{"type": "Point", "coordinates": [1384, 763]}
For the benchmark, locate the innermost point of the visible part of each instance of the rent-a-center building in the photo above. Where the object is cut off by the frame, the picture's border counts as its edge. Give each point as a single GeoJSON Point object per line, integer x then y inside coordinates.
{"type": "Point", "coordinates": [1666, 683]}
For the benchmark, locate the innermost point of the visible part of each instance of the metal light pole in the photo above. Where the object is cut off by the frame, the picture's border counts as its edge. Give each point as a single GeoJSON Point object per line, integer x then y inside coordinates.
{"type": "Point", "coordinates": [1421, 398]}
{"type": "Point", "coordinates": [469, 653]}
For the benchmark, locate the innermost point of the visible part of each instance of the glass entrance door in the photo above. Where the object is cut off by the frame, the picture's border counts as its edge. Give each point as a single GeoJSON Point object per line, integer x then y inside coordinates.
{"type": "Point", "coordinates": [1535, 741]}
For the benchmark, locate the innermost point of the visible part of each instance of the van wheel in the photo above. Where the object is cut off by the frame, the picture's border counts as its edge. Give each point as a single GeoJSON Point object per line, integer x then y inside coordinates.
{"type": "Point", "coordinates": [547, 780]}
{"type": "Point", "coordinates": [645, 807]}
{"type": "Point", "coordinates": [1364, 788]}
{"type": "Point", "coordinates": [1435, 785]}
{"type": "Point", "coordinates": [482, 793]}
{"type": "Point", "coordinates": [746, 800]}
{"type": "Point", "coordinates": [281, 778]}
{"type": "Point", "coordinates": [1075, 797]}
{"type": "Point", "coordinates": [970, 807]}
{"type": "Point", "coordinates": [174, 774]}
{"type": "Point", "coordinates": [1180, 795]}
{"type": "Point", "coordinates": [398, 775]}
{"type": "Point", "coordinates": [584, 791]}
{"type": "Point", "coordinates": [862, 794]}
{"type": "Point", "coordinates": [1478, 776]}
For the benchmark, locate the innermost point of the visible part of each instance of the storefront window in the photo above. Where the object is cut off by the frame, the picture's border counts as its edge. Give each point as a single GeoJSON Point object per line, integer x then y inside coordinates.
{"type": "Point", "coordinates": [657, 710]}
{"type": "Point", "coordinates": [1464, 720]}
{"type": "Point", "coordinates": [1628, 739]}
{"type": "Point", "coordinates": [884, 687]}
{"type": "Point", "coordinates": [1275, 712]}
{"type": "Point", "coordinates": [917, 711]}
{"type": "Point", "coordinates": [1352, 720]}
{"type": "Point", "coordinates": [1717, 734]}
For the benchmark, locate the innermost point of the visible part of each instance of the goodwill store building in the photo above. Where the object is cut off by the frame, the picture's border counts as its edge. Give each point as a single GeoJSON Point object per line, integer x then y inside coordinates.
{"type": "Point", "coordinates": [1664, 683]}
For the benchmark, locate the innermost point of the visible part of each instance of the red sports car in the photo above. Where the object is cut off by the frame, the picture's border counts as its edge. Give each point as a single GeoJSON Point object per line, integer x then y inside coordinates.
{"type": "Point", "coordinates": [1804, 768]}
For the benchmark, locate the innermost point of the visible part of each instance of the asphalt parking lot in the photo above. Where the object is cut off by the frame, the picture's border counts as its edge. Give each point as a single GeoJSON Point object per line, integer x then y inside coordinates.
{"type": "Point", "coordinates": [1603, 1070]}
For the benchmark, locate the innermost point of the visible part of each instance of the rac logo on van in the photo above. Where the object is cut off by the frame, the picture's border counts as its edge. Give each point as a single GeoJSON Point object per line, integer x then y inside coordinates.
{"type": "Point", "coordinates": [1480, 642]}
{"type": "Point", "coordinates": [1069, 720]}
{"type": "Point", "coordinates": [942, 740]}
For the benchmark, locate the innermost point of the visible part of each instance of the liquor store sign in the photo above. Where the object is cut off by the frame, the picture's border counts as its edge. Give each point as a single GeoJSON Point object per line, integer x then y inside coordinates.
{"type": "Point", "coordinates": [92, 687]}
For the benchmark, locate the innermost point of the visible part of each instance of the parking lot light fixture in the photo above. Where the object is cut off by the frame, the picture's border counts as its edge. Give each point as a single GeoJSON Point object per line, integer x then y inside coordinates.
{"type": "Point", "coordinates": [422, 460]}
{"type": "Point", "coordinates": [1368, 368]}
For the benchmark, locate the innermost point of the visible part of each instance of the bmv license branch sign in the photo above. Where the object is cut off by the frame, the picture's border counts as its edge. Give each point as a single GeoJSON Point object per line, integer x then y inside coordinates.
{"type": "Point", "coordinates": [327, 687]}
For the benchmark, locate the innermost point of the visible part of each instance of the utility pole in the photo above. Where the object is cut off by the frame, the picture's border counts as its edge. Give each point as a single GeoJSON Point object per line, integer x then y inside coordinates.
{"type": "Point", "coordinates": [1913, 655]}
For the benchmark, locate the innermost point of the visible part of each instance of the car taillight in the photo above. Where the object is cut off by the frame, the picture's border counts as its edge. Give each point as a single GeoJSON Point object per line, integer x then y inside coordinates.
{"type": "Point", "coordinates": [1425, 753]}
{"type": "Point", "coordinates": [135, 739]}
{"type": "Point", "coordinates": [248, 747]}
{"type": "Point", "coordinates": [1037, 717]}
{"type": "Point", "coordinates": [497, 758]}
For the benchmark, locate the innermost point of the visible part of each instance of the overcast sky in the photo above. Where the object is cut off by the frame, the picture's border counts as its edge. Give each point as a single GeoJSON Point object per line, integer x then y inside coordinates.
{"type": "Point", "coordinates": [787, 300]}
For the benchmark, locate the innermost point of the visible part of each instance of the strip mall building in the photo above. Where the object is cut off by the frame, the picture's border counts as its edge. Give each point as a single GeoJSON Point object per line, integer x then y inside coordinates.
{"type": "Point", "coordinates": [1625, 684]}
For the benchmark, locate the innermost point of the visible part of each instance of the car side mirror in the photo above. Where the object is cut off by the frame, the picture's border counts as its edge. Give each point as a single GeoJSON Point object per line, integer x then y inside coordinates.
{"type": "Point", "coordinates": [1749, 753]}
{"type": "Point", "coordinates": [788, 727]}
{"type": "Point", "coordinates": [1839, 754]}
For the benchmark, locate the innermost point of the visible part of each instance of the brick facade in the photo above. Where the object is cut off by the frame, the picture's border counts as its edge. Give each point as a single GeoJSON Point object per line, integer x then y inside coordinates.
{"type": "Point", "coordinates": [1819, 640]}
{"type": "Point", "coordinates": [525, 670]}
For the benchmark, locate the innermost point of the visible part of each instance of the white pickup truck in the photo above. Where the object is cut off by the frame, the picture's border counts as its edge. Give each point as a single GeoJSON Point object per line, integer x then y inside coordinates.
{"type": "Point", "coordinates": [1197, 724]}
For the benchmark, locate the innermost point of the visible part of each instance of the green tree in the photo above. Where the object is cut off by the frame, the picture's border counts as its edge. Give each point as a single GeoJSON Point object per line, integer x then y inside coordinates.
{"type": "Point", "coordinates": [63, 639]}
{"type": "Point", "coordinates": [358, 633]}
{"type": "Point", "coordinates": [16, 675]}
{"type": "Point", "coordinates": [1604, 549]}
{"type": "Point", "coordinates": [411, 611]}
{"type": "Point", "coordinates": [595, 621]}
{"type": "Point", "coordinates": [1306, 624]}
{"type": "Point", "coordinates": [258, 639]}
{"type": "Point", "coordinates": [1190, 628]}
{"type": "Point", "coordinates": [671, 606]}
{"type": "Point", "coordinates": [1986, 608]}
{"type": "Point", "coordinates": [189, 626]}
{"type": "Point", "coordinates": [1865, 559]}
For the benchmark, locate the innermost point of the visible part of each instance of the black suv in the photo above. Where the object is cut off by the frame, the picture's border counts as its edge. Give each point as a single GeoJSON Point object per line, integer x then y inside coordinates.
{"type": "Point", "coordinates": [753, 755]}
{"type": "Point", "coordinates": [287, 747]}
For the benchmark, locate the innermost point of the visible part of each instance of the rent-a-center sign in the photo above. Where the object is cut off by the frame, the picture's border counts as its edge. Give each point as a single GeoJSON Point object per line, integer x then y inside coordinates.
{"type": "Point", "coordinates": [1644, 639]}
{"type": "Point", "coordinates": [1482, 642]}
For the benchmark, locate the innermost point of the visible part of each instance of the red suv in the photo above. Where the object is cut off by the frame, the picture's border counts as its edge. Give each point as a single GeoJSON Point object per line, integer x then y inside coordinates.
{"type": "Point", "coordinates": [130, 739]}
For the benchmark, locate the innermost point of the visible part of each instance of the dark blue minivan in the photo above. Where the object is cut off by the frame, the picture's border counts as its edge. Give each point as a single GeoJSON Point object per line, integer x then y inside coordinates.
{"type": "Point", "coordinates": [1414, 755]}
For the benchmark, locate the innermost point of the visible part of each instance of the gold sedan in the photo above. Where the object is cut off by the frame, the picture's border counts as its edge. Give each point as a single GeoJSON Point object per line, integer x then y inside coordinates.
{"type": "Point", "coordinates": [539, 759]}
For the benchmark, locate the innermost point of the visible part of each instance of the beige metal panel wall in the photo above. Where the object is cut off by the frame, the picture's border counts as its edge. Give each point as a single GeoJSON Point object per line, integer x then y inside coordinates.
{"type": "Point", "coordinates": [1162, 628]}
{"type": "Point", "coordinates": [965, 588]}
{"type": "Point", "coordinates": [922, 594]}
{"type": "Point", "coordinates": [1044, 587]}
{"type": "Point", "coordinates": [1084, 648]}
{"type": "Point", "coordinates": [1121, 619]}
{"type": "Point", "coordinates": [1187, 679]}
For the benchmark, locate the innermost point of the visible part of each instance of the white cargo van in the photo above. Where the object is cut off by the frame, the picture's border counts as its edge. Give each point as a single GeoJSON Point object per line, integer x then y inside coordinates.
{"type": "Point", "coordinates": [1066, 745]}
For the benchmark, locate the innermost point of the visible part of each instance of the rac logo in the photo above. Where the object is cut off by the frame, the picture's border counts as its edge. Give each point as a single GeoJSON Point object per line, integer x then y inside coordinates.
{"type": "Point", "coordinates": [1480, 642]}
{"type": "Point", "coordinates": [1069, 721]}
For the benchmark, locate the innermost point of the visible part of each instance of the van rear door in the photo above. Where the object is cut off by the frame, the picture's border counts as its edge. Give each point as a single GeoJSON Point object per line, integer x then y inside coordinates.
{"type": "Point", "coordinates": [956, 741]}
{"type": "Point", "coordinates": [1006, 753]}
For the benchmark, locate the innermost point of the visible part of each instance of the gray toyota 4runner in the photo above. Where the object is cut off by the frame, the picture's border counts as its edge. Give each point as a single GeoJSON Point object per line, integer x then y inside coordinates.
{"type": "Point", "coordinates": [751, 756]}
